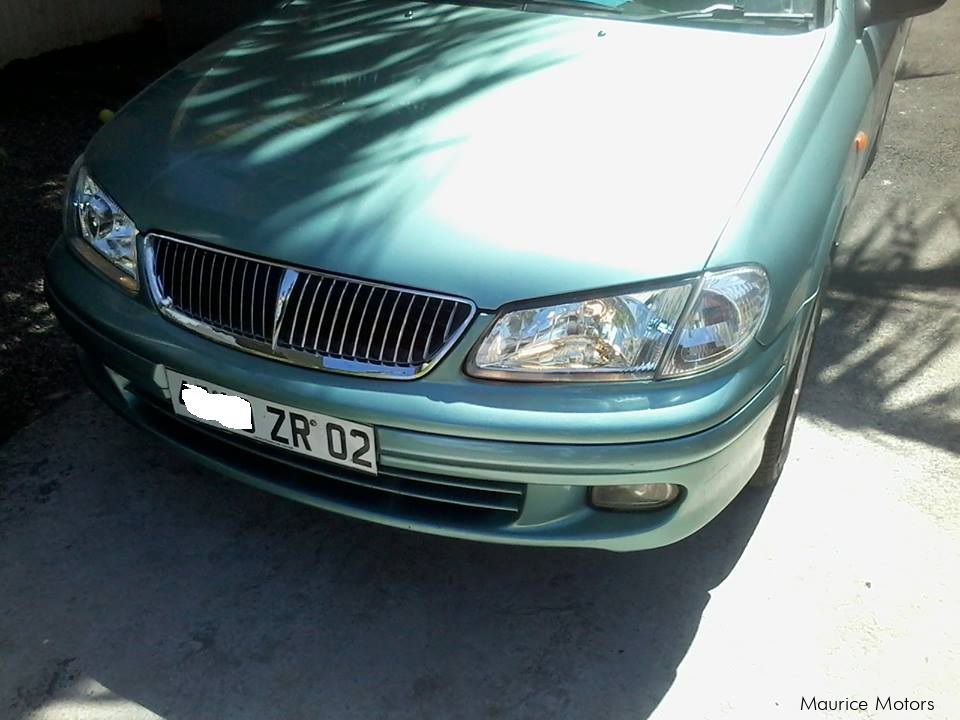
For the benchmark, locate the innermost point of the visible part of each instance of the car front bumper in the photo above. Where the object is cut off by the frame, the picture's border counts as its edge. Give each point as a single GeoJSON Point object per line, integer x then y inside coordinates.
{"type": "Point", "coordinates": [458, 457]}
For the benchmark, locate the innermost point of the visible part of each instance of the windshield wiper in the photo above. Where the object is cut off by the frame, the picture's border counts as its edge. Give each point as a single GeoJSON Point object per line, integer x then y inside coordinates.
{"type": "Point", "coordinates": [717, 11]}
{"type": "Point", "coordinates": [585, 6]}
{"type": "Point", "coordinates": [723, 11]}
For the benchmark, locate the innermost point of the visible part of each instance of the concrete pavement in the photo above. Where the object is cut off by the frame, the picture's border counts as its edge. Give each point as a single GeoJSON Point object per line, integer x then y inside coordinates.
{"type": "Point", "coordinates": [135, 585]}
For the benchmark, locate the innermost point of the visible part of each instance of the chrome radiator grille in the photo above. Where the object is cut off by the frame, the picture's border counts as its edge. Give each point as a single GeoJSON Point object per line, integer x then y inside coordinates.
{"type": "Point", "coordinates": [301, 316]}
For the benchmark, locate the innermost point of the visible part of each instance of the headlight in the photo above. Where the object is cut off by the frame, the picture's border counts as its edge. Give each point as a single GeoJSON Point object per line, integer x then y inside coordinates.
{"type": "Point", "coordinates": [106, 229]}
{"type": "Point", "coordinates": [728, 310]}
{"type": "Point", "coordinates": [613, 337]}
{"type": "Point", "coordinates": [629, 336]}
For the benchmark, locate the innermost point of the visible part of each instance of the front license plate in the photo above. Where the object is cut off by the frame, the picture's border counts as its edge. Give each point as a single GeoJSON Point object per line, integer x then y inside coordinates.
{"type": "Point", "coordinates": [308, 433]}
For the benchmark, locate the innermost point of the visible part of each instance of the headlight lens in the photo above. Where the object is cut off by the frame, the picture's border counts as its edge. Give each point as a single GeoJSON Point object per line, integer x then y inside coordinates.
{"type": "Point", "coordinates": [627, 336]}
{"type": "Point", "coordinates": [729, 309]}
{"type": "Point", "coordinates": [104, 226]}
{"type": "Point", "coordinates": [620, 336]}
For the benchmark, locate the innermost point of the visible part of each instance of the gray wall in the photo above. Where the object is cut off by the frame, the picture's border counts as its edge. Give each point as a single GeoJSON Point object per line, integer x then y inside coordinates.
{"type": "Point", "coordinates": [192, 23]}
{"type": "Point", "coordinates": [30, 27]}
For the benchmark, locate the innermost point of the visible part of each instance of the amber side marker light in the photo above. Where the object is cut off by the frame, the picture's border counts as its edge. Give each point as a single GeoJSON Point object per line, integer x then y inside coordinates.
{"type": "Point", "coordinates": [861, 141]}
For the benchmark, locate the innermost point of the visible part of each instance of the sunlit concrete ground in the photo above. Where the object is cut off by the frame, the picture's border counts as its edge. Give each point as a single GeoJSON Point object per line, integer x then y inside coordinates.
{"type": "Point", "coordinates": [133, 585]}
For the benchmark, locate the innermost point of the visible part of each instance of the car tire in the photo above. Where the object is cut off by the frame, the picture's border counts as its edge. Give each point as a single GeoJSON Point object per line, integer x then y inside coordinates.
{"type": "Point", "coordinates": [776, 446]}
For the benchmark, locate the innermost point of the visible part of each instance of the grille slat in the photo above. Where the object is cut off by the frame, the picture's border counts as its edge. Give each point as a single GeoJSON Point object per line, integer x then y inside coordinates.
{"type": "Point", "coordinates": [376, 320]}
{"type": "Point", "coordinates": [450, 321]}
{"type": "Point", "coordinates": [490, 486]}
{"type": "Point", "coordinates": [243, 292]}
{"type": "Point", "coordinates": [183, 266]}
{"type": "Point", "coordinates": [263, 313]}
{"type": "Point", "coordinates": [396, 346]}
{"type": "Point", "coordinates": [346, 323]}
{"type": "Point", "coordinates": [220, 303]}
{"type": "Point", "coordinates": [233, 272]}
{"type": "Point", "coordinates": [465, 497]}
{"type": "Point", "coordinates": [313, 304]}
{"type": "Point", "coordinates": [386, 329]}
{"type": "Point", "coordinates": [323, 314]}
{"type": "Point", "coordinates": [416, 331]}
{"type": "Point", "coordinates": [375, 328]}
{"type": "Point", "coordinates": [167, 252]}
{"type": "Point", "coordinates": [203, 262]}
{"type": "Point", "coordinates": [193, 262]}
{"type": "Point", "coordinates": [256, 272]}
{"type": "Point", "coordinates": [433, 326]}
{"type": "Point", "coordinates": [213, 265]}
{"type": "Point", "coordinates": [296, 314]}
{"type": "Point", "coordinates": [363, 314]}
{"type": "Point", "coordinates": [336, 313]}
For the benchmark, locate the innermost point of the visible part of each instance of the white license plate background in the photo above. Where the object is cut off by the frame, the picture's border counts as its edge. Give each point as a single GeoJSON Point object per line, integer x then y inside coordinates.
{"type": "Point", "coordinates": [319, 436]}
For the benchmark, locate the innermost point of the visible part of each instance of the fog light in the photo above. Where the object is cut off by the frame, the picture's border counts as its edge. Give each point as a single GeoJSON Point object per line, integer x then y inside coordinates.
{"type": "Point", "coordinates": [634, 497]}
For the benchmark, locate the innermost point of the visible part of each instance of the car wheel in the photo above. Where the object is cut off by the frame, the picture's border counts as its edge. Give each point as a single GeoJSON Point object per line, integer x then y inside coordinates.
{"type": "Point", "coordinates": [777, 442]}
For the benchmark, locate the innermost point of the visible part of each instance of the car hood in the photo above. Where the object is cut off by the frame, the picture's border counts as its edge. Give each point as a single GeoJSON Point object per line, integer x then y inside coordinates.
{"type": "Point", "coordinates": [489, 153]}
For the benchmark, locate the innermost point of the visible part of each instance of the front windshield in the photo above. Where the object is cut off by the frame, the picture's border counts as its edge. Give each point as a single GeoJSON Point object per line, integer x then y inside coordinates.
{"type": "Point", "coordinates": [782, 12]}
{"type": "Point", "coordinates": [632, 7]}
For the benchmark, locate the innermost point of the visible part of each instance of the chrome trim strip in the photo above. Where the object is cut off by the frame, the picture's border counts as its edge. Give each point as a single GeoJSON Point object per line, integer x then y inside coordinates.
{"type": "Point", "coordinates": [453, 312]}
{"type": "Point", "coordinates": [243, 287]}
{"type": "Point", "coordinates": [386, 330]}
{"type": "Point", "coordinates": [296, 314]}
{"type": "Point", "coordinates": [346, 323]}
{"type": "Point", "coordinates": [233, 277]}
{"type": "Point", "coordinates": [193, 260]}
{"type": "Point", "coordinates": [302, 358]}
{"type": "Point", "coordinates": [213, 264]}
{"type": "Point", "coordinates": [403, 325]}
{"type": "Point", "coordinates": [306, 325]}
{"type": "Point", "coordinates": [363, 314]}
{"type": "Point", "coordinates": [268, 328]}
{"type": "Point", "coordinates": [253, 294]}
{"type": "Point", "coordinates": [203, 264]}
{"type": "Point", "coordinates": [287, 282]}
{"type": "Point", "coordinates": [413, 340]}
{"type": "Point", "coordinates": [183, 271]}
{"type": "Point", "coordinates": [376, 320]}
{"type": "Point", "coordinates": [323, 312]}
{"type": "Point", "coordinates": [336, 314]}
{"type": "Point", "coordinates": [433, 326]}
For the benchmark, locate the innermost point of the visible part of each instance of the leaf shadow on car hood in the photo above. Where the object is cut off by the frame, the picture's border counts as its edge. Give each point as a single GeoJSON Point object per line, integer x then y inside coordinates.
{"type": "Point", "coordinates": [484, 152]}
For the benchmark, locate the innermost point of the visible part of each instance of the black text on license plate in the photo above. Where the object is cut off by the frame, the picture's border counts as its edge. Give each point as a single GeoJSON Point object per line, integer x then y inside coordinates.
{"type": "Point", "coordinates": [301, 431]}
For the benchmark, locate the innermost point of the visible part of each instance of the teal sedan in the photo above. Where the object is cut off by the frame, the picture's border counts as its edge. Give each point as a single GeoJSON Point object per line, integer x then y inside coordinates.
{"type": "Point", "coordinates": [540, 273]}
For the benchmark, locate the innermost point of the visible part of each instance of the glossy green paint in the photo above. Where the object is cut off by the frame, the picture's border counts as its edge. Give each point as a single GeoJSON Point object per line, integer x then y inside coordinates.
{"type": "Point", "coordinates": [790, 213]}
{"type": "Point", "coordinates": [498, 156]}
{"type": "Point", "coordinates": [392, 148]}
{"type": "Point", "coordinates": [445, 401]}
{"type": "Point", "coordinates": [711, 465]}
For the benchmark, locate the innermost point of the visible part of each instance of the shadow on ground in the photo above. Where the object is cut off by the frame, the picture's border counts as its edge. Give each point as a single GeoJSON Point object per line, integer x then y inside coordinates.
{"type": "Point", "coordinates": [197, 597]}
{"type": "Point", "coordinates": [891, 325]}
{"type": "Point", "coordinates": [49, 112]}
